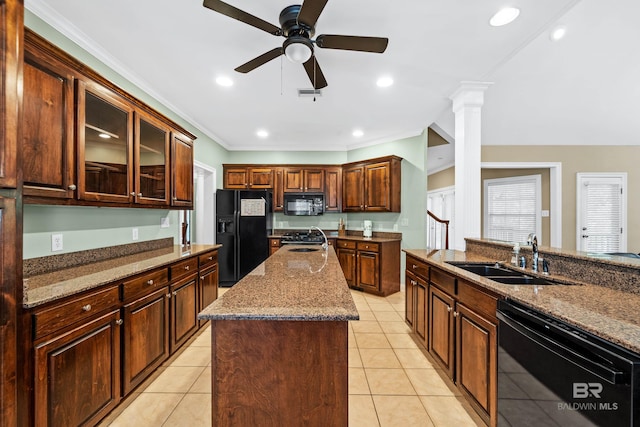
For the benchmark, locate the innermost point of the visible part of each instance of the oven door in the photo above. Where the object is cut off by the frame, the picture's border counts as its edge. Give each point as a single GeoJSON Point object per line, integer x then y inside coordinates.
{"type": "Point", "coordinates": [550, 374]}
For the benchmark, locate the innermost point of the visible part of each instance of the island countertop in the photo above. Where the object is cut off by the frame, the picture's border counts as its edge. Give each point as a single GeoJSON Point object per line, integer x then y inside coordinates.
{"type": "Point", "coordinates": [289, 285]}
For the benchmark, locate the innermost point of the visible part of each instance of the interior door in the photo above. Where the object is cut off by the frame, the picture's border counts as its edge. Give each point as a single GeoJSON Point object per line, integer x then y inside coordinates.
{"type": "Point", "coordinates": [601, 216]}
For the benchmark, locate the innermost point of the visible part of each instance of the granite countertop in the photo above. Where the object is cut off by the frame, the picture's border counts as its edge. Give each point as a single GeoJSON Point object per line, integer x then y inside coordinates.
{"type": "Point", "coordinates": [356, 236]}
{"type": "Point", "coordinates": [608, 313]}
{"type": "Point", "coordinates": [49, 287]}
{"type": "Point", "coordinates": [301, 286]}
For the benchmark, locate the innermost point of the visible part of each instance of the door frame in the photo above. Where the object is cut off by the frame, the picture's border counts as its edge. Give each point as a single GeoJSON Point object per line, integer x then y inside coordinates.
{"type": "Point", "coordinates": [203, 215]}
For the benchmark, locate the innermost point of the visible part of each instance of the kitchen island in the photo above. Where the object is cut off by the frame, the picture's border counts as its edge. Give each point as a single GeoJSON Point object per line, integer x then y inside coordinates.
{"type": "Point", "coordinates": [279, 343]}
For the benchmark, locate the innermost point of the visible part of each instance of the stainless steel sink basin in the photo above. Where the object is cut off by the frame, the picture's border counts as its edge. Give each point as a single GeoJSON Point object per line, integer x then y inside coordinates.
{"type": "Point", "coordinates": [522, 280]}
{"type": "Point", "coordinates": [303, 249]}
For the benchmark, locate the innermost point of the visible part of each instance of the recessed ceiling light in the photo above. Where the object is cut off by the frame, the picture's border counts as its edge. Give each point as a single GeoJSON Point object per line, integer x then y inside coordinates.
{"type": "Point", "coordinates": [357, 133]}
{"type": "Point", "coordinates": [504, 16]}
{"type": "Point", "coordinates": [262, 133]}
{"type": "Point", "coordinates": [384, 81]}
{"type": "Point", "coordinates": [224, 81]}
{"type": "Point", "coordinates": [558, 33]}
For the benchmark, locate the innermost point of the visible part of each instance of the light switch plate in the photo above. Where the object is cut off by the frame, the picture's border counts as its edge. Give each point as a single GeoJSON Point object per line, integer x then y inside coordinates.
{"type": "Point", "coordinates": [56, 242]}
{"type": "Point", "coordinates": [164, 222]}
{"type": "Point", "coordinates": [545, 213]}
{"type": "Point", "coordinates": [404, 222]}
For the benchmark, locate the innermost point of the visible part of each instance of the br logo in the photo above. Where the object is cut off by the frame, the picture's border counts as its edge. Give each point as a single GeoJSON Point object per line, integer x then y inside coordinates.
{"type": "Point", "coordinates": [585, 390]}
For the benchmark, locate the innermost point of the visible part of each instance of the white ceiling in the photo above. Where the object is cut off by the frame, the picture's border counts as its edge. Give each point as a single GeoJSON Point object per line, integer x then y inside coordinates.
{"type": "Point", "coordinates": [175, 49]}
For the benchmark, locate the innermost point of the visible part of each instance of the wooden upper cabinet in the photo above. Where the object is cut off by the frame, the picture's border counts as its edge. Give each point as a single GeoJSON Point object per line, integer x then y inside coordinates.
{"type": "Point", "coordinates": [105, 145]}
{"type": "Point", "coordinates": [278, 189]}
{"type": "Point", "coordinates": [303, 180]}
{"type": "Point", "coordinates": [48, 163]}
{"type": "Point", "coordinates": [181, 171]}
{"type": "Point", "coordinates": [248, 178]}
{"type": "Point", "coordinates": [372, 186]}
{"type": "Point", "coordinates": [151, 160]}
{"type": "Point", "coordinates": [333, 189]}
{"type": "Point", "coordinates": [352, 189]}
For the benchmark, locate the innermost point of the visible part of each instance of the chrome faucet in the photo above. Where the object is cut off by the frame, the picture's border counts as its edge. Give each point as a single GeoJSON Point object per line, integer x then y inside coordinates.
{"type": "Point", "coordinates": [533, 241]}
{"type": "Point", "coordinates": [325, 245]}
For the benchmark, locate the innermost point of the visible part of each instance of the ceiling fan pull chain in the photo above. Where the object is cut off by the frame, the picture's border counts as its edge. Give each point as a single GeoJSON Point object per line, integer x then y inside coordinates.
{"type": "Point", "coordinates": [280, 75]}
{"type": "Point", "coordinates": [315, 65]}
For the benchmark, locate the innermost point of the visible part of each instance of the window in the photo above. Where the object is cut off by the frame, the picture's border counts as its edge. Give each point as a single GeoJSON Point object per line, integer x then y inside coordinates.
{"type": "Point", "coordinates": [512, 208]}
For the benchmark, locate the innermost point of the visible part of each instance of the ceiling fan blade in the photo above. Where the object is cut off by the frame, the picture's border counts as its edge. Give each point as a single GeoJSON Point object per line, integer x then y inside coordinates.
{"type": "Point", "coordinates": [240, 15]}
{"type": "Point", "coordinates": [362, 44]}
{"type": "Point", "coordinates": [260, 60]}
{"type": "Point", "coordinates": [315, 73]}
{"type": "Point", "coordinates": [310, 11]}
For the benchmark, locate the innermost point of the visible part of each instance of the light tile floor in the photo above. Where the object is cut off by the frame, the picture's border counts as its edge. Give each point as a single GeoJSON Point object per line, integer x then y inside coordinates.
{"type": "Point", "coordinates": [392, 382]}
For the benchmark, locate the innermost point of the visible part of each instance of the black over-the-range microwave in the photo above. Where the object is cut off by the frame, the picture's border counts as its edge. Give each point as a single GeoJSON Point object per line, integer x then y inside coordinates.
{"type": "Point", "coordinates": [303, 203]}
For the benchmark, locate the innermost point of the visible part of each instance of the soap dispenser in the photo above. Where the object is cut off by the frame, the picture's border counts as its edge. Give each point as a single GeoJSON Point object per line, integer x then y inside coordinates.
{"type": "Point", "coordinates": [516, 254]}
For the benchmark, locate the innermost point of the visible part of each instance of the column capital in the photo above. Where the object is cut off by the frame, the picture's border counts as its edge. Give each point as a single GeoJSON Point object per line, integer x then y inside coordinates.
{"type": "Point", "coordinates": [469, 94]}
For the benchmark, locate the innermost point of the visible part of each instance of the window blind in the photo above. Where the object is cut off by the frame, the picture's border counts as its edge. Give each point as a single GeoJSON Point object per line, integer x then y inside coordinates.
{"type": "Point", "coordinates": [603, 217]}
{"type": "Point", "coordinates": [512, 208]}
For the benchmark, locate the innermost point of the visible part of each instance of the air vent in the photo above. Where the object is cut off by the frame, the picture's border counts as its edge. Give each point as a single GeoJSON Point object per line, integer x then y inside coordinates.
{"type": "Point", "coordinates": [308, 93]}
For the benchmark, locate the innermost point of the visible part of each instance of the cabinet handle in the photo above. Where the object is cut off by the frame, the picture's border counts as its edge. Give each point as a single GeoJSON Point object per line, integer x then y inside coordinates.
{"type": "Point", "coordinates": [186, 267]}
{"type": "Point", "coordinates": [86, 307]}
{"type": "Point", "coordinates": [72, 187]}
{"type": "Point", "coordinates": [150, 282]}
{"type": "Point", "coordinates": [413, 282]}
{"type": "Point", "coordinates": [168, 295]}
{"type": "Point", "coordinates": [366, 246]}
{"type": "Point", "coordinates": [175, 293]}
{"type": "Point", "coordinates": [175, 198]}
{"type": "Point", "coordinates": [133, 194]}
{"type": "Point", "coordinates": [455, 314]}
{"type": "Point", "coordinates": [449, 310]}
{"type": "Point", "coordinates": [201, 277]}
{"type": "Point", "coordinates": [139, 194]}
{"type": "Point", "coordinates": [119, 322]}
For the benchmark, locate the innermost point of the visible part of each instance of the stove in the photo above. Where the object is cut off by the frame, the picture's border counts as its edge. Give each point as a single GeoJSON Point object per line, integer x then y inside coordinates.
{"type": "Point", "coordinates": [302, 237]}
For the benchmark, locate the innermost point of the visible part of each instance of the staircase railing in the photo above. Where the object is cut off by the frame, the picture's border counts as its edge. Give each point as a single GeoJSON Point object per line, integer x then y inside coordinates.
{"type": "Point", "coordinates": [437, 232]}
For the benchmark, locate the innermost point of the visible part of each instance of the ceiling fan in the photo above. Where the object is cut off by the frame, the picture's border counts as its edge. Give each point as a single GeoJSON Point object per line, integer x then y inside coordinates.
{"type": "Point", "coordinates": [297, 25]}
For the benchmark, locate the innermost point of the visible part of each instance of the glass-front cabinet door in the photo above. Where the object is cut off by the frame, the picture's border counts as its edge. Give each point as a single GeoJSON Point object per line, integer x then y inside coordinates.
{"type": "Point", "coordinates": [151, 161]}
{"type": "Point", "coordinates": [105, 149]}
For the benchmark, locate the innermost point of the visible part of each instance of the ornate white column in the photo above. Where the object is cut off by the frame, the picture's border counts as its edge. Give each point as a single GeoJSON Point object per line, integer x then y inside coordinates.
{"type": "Point", "coordinates": [467, 105]}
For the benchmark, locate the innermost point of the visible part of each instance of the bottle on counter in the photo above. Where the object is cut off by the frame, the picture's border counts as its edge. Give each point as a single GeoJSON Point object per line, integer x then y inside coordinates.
{"type": "Point", "coordinates": [516, 254]}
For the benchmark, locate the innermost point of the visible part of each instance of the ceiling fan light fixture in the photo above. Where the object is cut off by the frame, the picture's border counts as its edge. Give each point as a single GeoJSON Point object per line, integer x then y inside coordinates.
{"type": "Point", "coordinates": [298, 49]}
{"type": "Point", "coordinates": [504, 16]}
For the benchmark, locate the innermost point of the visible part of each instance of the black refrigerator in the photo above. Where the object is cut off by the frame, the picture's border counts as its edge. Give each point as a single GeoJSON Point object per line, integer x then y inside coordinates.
{"type": "Point", "coordinates": [243, 223]}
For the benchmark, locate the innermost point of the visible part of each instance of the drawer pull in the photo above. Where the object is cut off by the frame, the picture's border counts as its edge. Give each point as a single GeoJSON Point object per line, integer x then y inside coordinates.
{"type": "Point", "coordinates": [414, 266]}
{"type": "Point", "coordinates": [139, 194]}
{"type": "Point", "coordinates": [86, 307]}
{"type": "Point", "coordinates": [132, 193]}
{"type": "Point", "coordinates": [119, 322]}
{"type": "Point", "coordinates": [210, 258]}
{"type": "Point", "coordinates": [186, 267]}
{"type": "Point", "coordinates": [72, 187]}
{"type": "Point", "coordinates": [150, 282]}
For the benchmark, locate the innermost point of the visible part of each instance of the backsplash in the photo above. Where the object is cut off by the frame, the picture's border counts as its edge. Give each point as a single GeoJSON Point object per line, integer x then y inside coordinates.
{"type": "Point", "coordinates": [48, 264]}
{"type": "Point", "coordinates": [613, 272]}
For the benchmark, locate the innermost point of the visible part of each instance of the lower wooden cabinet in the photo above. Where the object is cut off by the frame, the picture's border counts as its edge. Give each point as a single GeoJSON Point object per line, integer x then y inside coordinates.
{"type": "Point", "coordinates": [145, 337]}
{"type": "Point", "coordinates": [274, 245]}
{"type": "Point", "coordinates": [441, 329]}
{"type": "Point", "coordinates": [456, 321]}
{"type": "Point", "coordinates": [208, 288]}
{"type": "Point", "coordinates": [77, 373]}
{"type": "Point", "coordinates": [184, 311]}
{"type": "Point", "coordinates": [370, 266]}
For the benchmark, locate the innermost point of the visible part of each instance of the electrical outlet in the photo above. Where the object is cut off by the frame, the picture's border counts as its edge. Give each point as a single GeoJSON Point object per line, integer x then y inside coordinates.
{"type": "Point", "coordinates": [134, 234]}
{"type": "Point", "coordinates": [56, 242]}
{"type": "Point", "coordinates": [164, 222]}
{"type": "Point", "coordinates": [395, 227]}
{"type": "Point", "coordinates": [404, 222]}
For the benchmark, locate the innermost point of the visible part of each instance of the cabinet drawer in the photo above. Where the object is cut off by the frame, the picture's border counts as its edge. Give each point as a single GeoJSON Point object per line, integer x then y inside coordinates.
{"type": "Point", "coordinates": [207, 260]}
{"type": "Point", "coordinates": [145, 283]}
{"type": "Point", "coordinates": [481, 302]}
{"type": "Point", "coordinates": [418, 268]}
{"type": "Point", "coordinates": [55, 318]}
{"type": "Point", "coordinates": [368, 246]}
{"type": "Point", "coordinates": [184, 268]}
{"type": "Point", "coordinates": [443, 280]}
{"type": "Point", "coordinates": [347, 244]}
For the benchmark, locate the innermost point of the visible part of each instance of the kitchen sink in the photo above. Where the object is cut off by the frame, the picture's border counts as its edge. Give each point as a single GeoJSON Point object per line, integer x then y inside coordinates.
{"type": "Point", "coordinates": [497, 273]}
{"type": "Point", "coordinates": [486, 269]}
{"type": "Point", "coordinates": [303, 249]}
